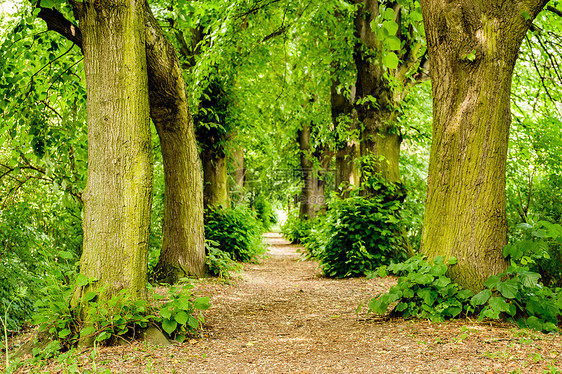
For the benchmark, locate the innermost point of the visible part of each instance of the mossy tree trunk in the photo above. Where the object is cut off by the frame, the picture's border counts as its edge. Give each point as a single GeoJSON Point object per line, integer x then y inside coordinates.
{"type": "Point", "coordinates": [183, 242]}
{"type": "Point", "coordinates": [472, 50]}
{"type": "Point", "coordinates": [118, 194]}
{"type": "Point", "coordinates": [313, 165]}
{"type": "Point", "coordinates": [183, 247]}
{"type": "Point", "coordinates": [375, 103]}
{"type": "Point", "coordinates": [347, 145]}
{"type": "Point", "coordinates": [215, 172]}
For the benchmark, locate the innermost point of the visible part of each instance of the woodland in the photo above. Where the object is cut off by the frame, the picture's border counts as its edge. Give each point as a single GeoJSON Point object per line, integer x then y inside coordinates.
{"type": "Point", "coordinates": [147, 146]}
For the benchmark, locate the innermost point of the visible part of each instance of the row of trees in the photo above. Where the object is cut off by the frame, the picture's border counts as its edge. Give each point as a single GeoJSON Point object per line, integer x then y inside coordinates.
{"type": "Point", "coordinates": [327, 82]}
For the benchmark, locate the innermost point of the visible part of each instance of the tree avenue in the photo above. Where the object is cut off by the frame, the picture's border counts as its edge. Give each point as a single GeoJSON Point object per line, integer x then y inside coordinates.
{"type": "Point", "coordinates": [473, 48]}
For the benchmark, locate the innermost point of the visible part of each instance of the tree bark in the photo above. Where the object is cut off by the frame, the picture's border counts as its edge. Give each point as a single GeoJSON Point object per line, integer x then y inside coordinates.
{"type": "Point", "coordinates": [380, 139]}
{"type": "Point", "coordinates": [215, 172]}
{"type": "Point", "coordinates": [312, 198]}
{"type": "Point", "coordinates": [183, 244]}
{"type": "Point", "coordinates": [347, 148]}
{"type": "Point", "coordinates": [118, 193]}
{"type": "Point", "coordinates": [472, 52]}
{"type": "Point", "coordinates": [183, 241]}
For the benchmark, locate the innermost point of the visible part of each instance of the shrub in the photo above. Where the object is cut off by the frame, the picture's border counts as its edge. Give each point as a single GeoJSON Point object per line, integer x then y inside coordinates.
{"type": "Point", "coordinates": [219, 263]}
{"type": "Point", "coordinates": [423, 291]}
{"type": "Point", "coordinates": [264, 212]}
{"type": "Point", "coordinates": [119, 317]}
{"type": "Point", "coordinates": [294, 229]}
{"type": "Point", "coordinates": [360, 234]}
{"type": "Point", "coordinates": [237, 231]}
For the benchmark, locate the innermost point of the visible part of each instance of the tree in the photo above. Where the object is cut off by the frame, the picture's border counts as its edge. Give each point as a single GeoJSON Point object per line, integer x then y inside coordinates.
{"type": "Point", "coordinates": [183, 250]}
{"type": "Point", "coordinates": [473, 48]}
{"type": "Point", "coordinates": [118, 194]}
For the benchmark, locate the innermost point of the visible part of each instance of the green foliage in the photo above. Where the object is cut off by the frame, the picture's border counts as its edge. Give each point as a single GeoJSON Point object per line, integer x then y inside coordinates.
{"type": "Point", "coordinates": [423, 291]}
{"type": "Point", "coordinates": [360, 235]}
{"type": "Point", "coordinates": [517, 295]}
{"type": "Point", "coordinates": [294, 229]}
{"type": "Point", "coordinates": [539, 249]}
{"type": "Point", "coordinates": [219, 263]}
{"type": "Point", "coordinates": [119, 317]}
{"type": "Point", "coordinates": [236, 230]}
{"type": "Point", "coordinates": [181, 314]}
{"type": "Point", "coordinates": [264, 212]}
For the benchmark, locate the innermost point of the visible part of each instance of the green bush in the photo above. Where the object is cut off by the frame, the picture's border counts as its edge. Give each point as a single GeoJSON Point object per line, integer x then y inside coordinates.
{"type": "Point", "coordinates": [423, 291]}
{"type": "Point", "coordinates": [264, 212]}
{"type": "Point", "coordinates": [237, 231]}
{"type": "Point", "coordinates": [296, 230]}
{"type": "Point", "coordinates": [538, 248]}
{"type": "Point", "coordinates": [360, 234]}
{"type": "Point", "coordinates": [118, 318]}
{"type": "Point", "coordinates": [219, 263]}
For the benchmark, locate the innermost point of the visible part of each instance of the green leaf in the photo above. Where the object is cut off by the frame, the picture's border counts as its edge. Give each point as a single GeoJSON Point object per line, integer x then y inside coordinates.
{"type": "Point", "coordinates": [499, 304]}
{"type": "Point", "coordinates": [169, 326]}
{"type": "Point", "coordinates": [509, 289]}
{"type": "Point", "coordinates": [389, 14]}
{"type": "Point", "coordinates": [64, 333]}
{"type": "Point", "coordinates": [391, 27]}
{"type": "Point", "coordinates": [452, 260]}
{"type": "Point", "coordinates": [81, 280]}
{"type": "Point", "coordinates": [202, 303]}
{"type": "Point", "coordinates": [528, 278]}
{"type": "Point", "coordinates": [90, 295]}
{"type": "Point", "coordinates": [378, 306]}
{"type": "Point", "coordinates": [181, 317]}
{"type": "Point", "coordinates": [87, 331]}
{"type": "Point", "coordinates": [103, 336]}
{"type": "Point", "coordinates": [193, 322]}
{"type": "Point", "coordinates": [393, 43]}
{"type": "Point", "coordinates": [481, 297]}
{"type": "Point", "coordinates": [493, 281]}
{"type": "Point", "coordinates": [47, 4]}
{"type": "Point", "coordinates": [390, 60]}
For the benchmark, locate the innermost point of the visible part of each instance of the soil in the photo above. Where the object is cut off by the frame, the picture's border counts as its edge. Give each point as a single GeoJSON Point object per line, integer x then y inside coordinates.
{"type": "Point", "coordinates": [283, 316]}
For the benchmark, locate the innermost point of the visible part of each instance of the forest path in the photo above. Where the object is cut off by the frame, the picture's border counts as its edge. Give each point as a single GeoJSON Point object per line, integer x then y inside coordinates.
{"type": "Point", "coordinates": [282, 316]}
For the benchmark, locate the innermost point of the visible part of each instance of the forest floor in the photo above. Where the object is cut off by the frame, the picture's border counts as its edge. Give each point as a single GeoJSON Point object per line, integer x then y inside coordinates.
{"type": "Point", "coordinates": [282, 316]}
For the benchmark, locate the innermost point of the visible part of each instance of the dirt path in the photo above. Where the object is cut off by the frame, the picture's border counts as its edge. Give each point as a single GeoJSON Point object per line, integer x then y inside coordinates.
{"type": "Point", "coordinates": [281, 316]}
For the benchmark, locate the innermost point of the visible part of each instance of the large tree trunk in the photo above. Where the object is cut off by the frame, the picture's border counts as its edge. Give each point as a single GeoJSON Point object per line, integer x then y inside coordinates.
{"type": "Point", "coordinates": [472, 53]}
{"type": "Point", "coordinates": [216, 192]}
{"type": "Point", "coordinates": [117, 198]}
{"type": "Point", "coordinates": [183, 241]}
{"type": "Point", "coordinates": [183, 247]}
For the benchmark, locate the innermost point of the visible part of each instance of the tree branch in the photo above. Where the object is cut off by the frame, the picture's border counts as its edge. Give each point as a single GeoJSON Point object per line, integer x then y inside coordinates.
{"type": "Point", "coordinates": [57, 22]}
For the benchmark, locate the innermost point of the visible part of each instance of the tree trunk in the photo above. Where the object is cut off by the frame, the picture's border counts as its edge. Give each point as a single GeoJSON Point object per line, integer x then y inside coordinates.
{"type": "Point", "coordinates": [472, 53]}
{"type": "Point", "coordinates": [380, 139]}
{"type": "Point", "coordinates": [215, 173]}
{"type": "Point", "coordinates": [239, 173]}
{"type": "Point", "coordinates": [183, 241]}
{"type": "Point", "coordinates": [312, 198]}
{"type": "Point", "coordinates": [117, 197]}
{"type": "Point", "coordinates": [347, 148]}
{"type": "Point", "coordinates": [183, 247]}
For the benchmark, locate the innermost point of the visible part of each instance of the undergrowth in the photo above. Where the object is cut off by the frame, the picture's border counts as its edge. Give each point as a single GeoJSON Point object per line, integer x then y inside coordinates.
{"type": "Point", "coordinates": [424, 291]}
